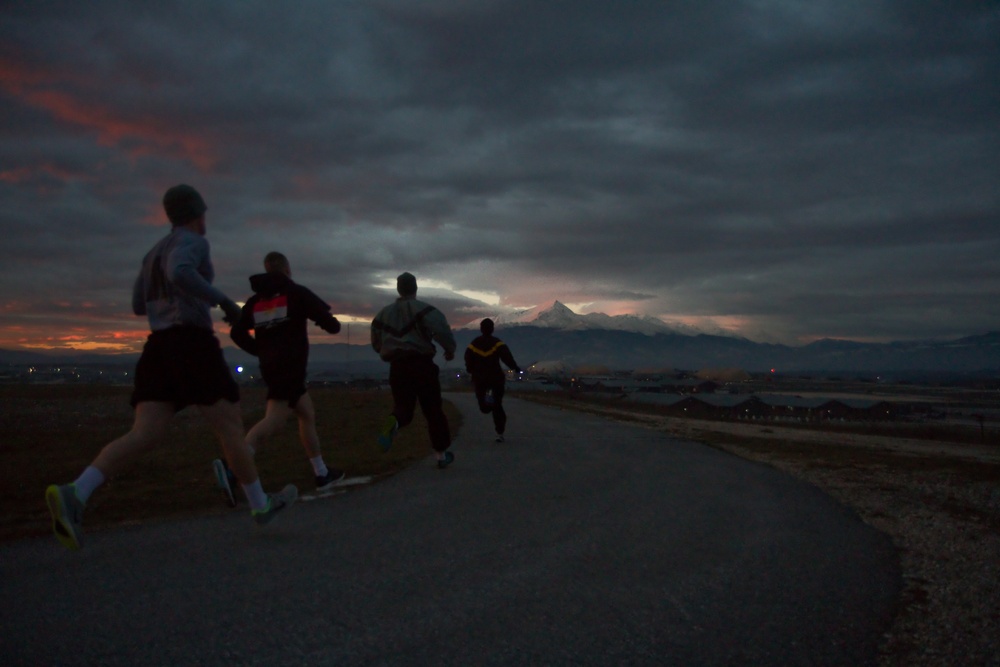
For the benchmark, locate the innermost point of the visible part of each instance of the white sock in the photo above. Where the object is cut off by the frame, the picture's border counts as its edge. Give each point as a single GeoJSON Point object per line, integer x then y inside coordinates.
{"type": "Point", "coordinates": [319, 466]}
{"type": "Point", "coordinates": [87, 483]}
{"type": "Point", "coordinates": [255, 495]}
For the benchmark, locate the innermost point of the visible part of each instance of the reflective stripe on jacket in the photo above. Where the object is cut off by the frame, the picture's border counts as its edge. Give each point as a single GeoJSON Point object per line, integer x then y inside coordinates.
{"type": "Point", "coordinates": [409, 327]}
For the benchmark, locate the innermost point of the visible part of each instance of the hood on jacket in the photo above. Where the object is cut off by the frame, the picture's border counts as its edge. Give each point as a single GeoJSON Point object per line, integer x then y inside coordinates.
{"type": "Point", "coordinates": [269, 283]}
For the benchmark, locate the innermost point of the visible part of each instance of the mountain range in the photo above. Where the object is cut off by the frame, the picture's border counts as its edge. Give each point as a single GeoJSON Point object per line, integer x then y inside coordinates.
{"type": "Point", "coordinates": [557, 334]}
{"type": "Point", "coordinates": [558, 316]}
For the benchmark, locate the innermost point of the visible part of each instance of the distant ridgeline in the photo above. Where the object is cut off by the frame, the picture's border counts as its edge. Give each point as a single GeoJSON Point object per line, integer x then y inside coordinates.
{"type": "Point", "coordinates": [627, 350]}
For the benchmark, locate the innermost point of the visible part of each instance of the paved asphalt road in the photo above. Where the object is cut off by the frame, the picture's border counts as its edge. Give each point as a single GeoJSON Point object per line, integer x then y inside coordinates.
{"type": "Point", "coordinates": [579, 541]}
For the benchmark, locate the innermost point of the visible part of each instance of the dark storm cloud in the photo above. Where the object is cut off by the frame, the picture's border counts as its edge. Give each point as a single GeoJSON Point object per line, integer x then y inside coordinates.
{"type": "Point", "coordinates": [803, 169]}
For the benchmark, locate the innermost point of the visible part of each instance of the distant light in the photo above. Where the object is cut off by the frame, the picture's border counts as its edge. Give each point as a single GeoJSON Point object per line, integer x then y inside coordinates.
{"type": "Point", "coordinates": [239, 369]}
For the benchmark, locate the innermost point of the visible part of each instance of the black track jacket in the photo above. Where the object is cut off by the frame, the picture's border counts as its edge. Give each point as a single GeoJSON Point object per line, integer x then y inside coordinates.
{"type": "Point", "coordinates": [278, 312]}
{"type": "Point", "coordinates": [483, 357]}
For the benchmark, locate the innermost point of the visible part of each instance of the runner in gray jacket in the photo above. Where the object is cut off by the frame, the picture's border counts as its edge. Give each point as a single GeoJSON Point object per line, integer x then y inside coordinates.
{"type": "Point", "coordinates": [181, 364]}
{"type": "Point", "coordinates": [403, 334]}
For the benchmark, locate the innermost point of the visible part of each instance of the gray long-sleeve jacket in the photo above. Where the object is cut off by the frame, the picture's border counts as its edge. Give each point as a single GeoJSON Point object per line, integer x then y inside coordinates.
{"type": "Point", "coordinates": [407, 327]}
{"type": "Point", "coordinates": [174, 286]}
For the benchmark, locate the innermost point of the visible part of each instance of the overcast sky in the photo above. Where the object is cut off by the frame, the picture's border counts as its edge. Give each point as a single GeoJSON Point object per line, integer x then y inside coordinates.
{"type": "Point", "coordinates": [785, 171]}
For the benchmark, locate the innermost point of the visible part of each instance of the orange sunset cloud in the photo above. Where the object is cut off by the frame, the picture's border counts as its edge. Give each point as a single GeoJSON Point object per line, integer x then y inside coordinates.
{"type": "Point", "coordinates": [154, 135]}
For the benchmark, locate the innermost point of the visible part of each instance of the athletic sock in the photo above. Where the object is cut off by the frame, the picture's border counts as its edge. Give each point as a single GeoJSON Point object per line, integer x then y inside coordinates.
{"type": "Point", "coordinates": [255, 495]}
{"type": "Point", "coordinates": [87, 483]}
{"type": "Point", "coordinates": [319, 466]}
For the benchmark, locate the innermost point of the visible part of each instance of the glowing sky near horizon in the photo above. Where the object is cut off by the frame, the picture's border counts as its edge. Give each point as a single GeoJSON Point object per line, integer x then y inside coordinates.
{"type": "Point", "coordinates": [784, 171]}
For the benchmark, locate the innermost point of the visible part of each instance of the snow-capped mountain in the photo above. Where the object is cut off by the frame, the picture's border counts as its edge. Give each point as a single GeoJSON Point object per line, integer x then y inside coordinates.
{"type": "Point", "coordinates": [558, 316]}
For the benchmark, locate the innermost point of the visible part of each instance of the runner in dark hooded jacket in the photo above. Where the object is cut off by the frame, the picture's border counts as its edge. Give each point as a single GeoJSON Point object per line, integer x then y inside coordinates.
{"type": "Point", "coordinates": [278, 313]}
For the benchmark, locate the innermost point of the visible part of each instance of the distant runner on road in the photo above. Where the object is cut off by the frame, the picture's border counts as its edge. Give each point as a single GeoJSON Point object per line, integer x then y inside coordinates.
{"type": "Point", "coordinates": [482, 361]}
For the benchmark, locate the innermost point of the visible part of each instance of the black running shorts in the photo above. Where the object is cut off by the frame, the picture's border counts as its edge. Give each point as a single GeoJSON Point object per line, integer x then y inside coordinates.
{"type": "Point", "coordinates": [183, 366]}
{"type": "Point", "coordinates": [284, 385]}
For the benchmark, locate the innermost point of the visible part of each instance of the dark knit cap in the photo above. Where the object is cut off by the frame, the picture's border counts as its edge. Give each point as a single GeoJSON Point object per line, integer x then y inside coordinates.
{"type": "Point", "coordinates": [486, 326]}
{"type": "Point", "coordinates": [183, 204]}
{"type": "Point", "coordinates": [406, 284]}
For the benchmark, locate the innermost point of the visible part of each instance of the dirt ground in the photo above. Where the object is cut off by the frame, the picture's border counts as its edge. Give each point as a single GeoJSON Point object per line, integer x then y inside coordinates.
{"type": "Point", "coordinates": [939, 501]}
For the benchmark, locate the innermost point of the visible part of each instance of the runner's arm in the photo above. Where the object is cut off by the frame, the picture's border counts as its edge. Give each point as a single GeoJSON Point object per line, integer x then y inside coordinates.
{"type": "Point", "coordinates": [437, 324]}
{"type": "Point", "coordinates": [318, 311]}
{"type": "Point", "coordinates": [138, 296]}
{"type": "Point", "coordinates": [376, 335]}
{"type": "Point", "coordinates": [507, 357]}
{"type": "Point", "coordinates": [240, 333]}
{"type": "Point", "coordinates": [182, 270]}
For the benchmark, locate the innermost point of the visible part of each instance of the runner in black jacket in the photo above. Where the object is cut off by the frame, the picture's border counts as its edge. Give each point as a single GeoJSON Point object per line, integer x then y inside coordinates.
{"type": "Point", "coordinates": [278, 313]}
{"type": "Point", "coordinates": [482, 361]}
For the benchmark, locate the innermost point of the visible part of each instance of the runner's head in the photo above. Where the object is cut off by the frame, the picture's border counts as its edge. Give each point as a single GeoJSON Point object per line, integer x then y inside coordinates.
{"type": "Point", "coordinates": [406, 284]}
{"type": "Point", "coordinates": [183, 204]}
{"type": "Point", "coordinates": [486, 326]}
{"type": "Point", "coordinates": [275, 262]}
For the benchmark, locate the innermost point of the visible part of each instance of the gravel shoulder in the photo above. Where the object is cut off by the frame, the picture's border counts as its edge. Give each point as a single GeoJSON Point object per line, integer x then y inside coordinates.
{"type": "Point", "coordinates": [938, 501]}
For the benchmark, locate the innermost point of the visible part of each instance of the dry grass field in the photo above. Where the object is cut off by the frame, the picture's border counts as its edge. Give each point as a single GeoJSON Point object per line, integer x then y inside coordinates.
{"type": "Point", "coordinates": [938, 498]}
{"type": "Point", "coordinates": [50, 432]}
